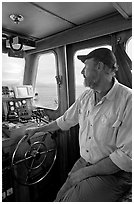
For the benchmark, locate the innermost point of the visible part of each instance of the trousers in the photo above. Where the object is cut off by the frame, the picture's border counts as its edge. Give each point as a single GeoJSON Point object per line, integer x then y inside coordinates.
{"type": "Point", "coordinates": [105, 188]}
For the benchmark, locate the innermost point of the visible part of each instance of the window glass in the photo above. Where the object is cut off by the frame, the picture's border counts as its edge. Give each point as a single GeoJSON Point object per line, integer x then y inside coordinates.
{"type": "Point", "coordinates": [12, 70]}
{"type": "Point", "coordinates": [46, 86]}
{"type": "Point", "coordinates": [78, 68]}
{"type": "Point", "coordinates": [129, 48]}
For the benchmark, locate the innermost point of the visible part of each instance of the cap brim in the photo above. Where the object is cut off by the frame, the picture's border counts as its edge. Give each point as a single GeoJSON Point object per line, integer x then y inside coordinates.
{"type": "Point", "coordinates": [82, 57]}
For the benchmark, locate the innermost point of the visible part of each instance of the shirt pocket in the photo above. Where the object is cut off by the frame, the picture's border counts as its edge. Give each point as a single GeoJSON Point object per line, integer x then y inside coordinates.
{"type": "Point", "coordinates": [107, 129]}
{"type": "Point", "coordinates": [106, 121]}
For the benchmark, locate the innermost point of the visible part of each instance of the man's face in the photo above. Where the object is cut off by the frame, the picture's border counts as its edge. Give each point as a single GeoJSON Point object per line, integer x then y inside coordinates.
{"type": "Point", "coordinates": [91, 74]}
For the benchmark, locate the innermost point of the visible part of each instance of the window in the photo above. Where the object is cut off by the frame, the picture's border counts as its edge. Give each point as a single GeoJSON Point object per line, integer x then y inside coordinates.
{"type": "Point", "coordinates": [12, 70]}
{"type": "Point", "coordinates": [46, 87]}
{"type": "Point", "coordinates": [78, 68]}
{"type": "Point", "coordinates": [129, 48]}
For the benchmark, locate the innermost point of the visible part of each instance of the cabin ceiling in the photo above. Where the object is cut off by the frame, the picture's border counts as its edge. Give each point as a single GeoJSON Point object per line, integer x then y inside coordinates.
{"type": "Point", "coordinates": [44, 19]}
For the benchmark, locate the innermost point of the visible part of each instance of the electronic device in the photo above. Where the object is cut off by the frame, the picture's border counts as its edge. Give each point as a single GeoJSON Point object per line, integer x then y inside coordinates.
{"type": "Point", "coordinates": [25, 91]}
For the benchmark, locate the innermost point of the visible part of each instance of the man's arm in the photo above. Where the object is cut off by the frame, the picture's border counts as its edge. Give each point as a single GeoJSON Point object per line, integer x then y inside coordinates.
{"type": "Point", "coordinates": [44, 128]}
{"type": "Point", "coordinates": [103, 167]}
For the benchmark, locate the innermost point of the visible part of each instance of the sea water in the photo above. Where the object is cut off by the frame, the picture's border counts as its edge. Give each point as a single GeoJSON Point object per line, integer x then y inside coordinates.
{"type": "Point", "coordinates": [48, 96]}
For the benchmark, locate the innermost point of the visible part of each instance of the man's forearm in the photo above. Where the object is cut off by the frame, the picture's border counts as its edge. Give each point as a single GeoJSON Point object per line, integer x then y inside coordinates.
{"type": "Point", "coordinates": [103, 167]}
{"type": "Point", "coordinates": [49, 127]}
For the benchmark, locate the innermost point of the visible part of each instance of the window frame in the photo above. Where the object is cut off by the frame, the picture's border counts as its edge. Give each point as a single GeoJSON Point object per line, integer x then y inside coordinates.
{"type": "Point", "coordinates": [56, 74]}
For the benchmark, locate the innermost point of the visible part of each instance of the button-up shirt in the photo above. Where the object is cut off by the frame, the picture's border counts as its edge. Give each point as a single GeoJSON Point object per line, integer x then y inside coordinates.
{"type": "Point", "coordinates": [105, 128]}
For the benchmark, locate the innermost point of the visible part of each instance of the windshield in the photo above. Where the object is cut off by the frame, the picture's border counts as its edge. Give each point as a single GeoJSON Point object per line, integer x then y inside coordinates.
{"type": "Point", "coordinates": [12, 70]}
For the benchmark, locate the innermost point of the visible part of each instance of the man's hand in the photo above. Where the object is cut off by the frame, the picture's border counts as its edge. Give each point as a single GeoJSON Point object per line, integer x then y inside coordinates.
{"type": "Point", "coordinates": [75, 177]}
{"type": "Point", "coordinates": [30, 132]}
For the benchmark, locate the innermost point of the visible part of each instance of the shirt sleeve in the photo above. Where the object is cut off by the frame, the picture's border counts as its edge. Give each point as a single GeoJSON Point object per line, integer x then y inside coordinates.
{"type": "Point", "coordinates": [70, 117]}
{"type": "Point", "coordinates": [122, 156]}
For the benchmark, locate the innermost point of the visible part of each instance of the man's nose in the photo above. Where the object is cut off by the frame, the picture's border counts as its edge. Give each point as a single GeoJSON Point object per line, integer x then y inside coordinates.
{"type": "Point", "coordinates": [82, 72]}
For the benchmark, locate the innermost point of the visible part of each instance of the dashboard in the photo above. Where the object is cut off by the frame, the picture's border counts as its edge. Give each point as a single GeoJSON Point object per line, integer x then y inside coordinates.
{"type": "Point", "coordinates": [18, 113]}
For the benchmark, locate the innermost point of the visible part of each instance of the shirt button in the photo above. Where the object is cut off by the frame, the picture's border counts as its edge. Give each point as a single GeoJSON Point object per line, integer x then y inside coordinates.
{"type": "Point", "coordinates": [87, 150]}
{"type": "Point", "coordinates": [89, 138]}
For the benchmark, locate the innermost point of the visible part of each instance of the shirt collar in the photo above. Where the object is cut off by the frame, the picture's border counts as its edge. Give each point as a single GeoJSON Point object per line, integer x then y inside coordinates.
{"type": "Point", "coordinates": [110, 95]}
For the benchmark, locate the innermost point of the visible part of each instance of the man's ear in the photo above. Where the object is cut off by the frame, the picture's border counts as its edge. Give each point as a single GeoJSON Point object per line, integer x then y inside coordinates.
{"type": "Point", "coordinates": [100, 66]}
{"type": "Point", "coordinates": [107, 70]}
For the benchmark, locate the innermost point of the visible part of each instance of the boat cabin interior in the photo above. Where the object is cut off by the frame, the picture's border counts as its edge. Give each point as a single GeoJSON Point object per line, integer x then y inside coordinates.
{"type": "Point", "coordinates": [41, 79]}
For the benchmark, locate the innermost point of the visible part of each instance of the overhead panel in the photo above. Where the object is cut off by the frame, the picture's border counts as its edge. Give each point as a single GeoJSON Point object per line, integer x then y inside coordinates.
{"type": "Point", "coordinates": [79, 12]}
{"type": "Point", "coordinates": [37, 22]}
{"type": "Point", "coordinates": [45, 19]}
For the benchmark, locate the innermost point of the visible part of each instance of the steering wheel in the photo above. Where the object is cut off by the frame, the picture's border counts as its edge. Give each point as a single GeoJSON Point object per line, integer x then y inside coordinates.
{"type": "Point", "coordinates": [32, 160]}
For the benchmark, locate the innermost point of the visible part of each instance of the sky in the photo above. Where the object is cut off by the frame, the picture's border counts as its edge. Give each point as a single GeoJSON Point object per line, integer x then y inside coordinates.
{"type": "Point", "coordinates": [12, 69]}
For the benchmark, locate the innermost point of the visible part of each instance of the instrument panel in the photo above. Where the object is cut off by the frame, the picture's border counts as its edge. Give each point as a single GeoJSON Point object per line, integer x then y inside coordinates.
{"type": "Point", "coordinates": [18, 111]}
{"type": "Point", "coordinates": [16, 103]}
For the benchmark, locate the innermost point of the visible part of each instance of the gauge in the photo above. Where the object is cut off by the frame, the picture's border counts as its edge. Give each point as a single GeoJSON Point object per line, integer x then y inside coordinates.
{"type": "Point", "coordinates": [12, 108]}
{"type": "Point", "coordinates": [11, 103]}
{"type": "Point", "coordinates": [24, 101]}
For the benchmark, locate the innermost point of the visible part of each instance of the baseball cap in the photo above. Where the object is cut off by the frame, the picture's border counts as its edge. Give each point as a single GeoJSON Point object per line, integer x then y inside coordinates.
{"type": "Point", "coordinates": [104, 55]}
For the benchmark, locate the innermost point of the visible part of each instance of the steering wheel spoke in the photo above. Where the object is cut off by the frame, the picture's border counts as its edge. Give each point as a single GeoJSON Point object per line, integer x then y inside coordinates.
{"type": "Point", "coordinates": [21, 160]}
{"type": "Point", "coordinates": [47, 151]}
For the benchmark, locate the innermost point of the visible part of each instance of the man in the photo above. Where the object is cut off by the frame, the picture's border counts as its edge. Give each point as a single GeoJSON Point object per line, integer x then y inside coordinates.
{"type": "Point", "coordinates": [103, 112]}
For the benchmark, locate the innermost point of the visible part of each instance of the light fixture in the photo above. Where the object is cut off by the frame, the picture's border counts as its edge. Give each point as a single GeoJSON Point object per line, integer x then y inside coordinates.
{"type": "Point", "coordinates": [16, 18]}
{"type": "Point", "coordinates": [19, 43]}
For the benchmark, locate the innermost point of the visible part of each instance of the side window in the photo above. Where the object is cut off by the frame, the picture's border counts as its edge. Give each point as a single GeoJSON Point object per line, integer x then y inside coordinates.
{"type": "Point", "coordinates": [129, 48]}
{"type": "Point", "coordinates": [46, 86]}
{"type": "Point", "coordinates": [78, 65]}
{"type": "Point", "coordinates": [12, 70]}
